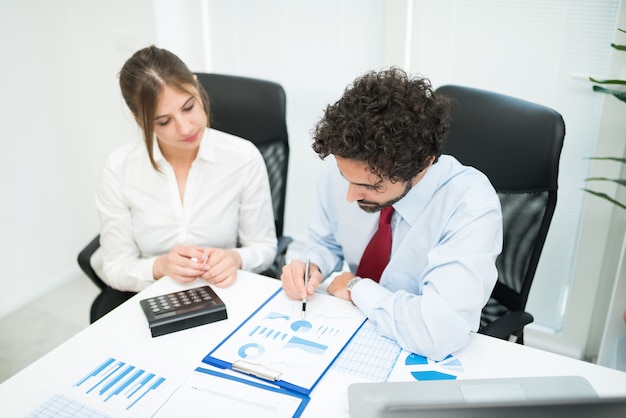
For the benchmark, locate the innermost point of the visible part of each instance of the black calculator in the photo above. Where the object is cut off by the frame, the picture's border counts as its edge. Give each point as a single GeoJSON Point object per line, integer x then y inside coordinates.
{"type": "Point", "coordinates": [184, 309]}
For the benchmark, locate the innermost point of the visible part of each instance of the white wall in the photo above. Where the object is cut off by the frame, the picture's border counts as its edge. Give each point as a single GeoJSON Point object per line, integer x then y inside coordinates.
{"type": "Point", "coordinates": [61, 113]}
{"type": "Point", "coordinates": [314, 49]}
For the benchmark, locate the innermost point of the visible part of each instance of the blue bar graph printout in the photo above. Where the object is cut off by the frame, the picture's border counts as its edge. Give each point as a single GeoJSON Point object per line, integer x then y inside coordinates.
{"type": "Point", "coordinates": [116, 381]}
{"type": "Point", "coordinates": [113, 388]}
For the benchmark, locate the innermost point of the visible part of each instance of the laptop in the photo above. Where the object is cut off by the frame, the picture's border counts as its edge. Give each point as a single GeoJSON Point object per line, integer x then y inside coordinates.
{"type": "Point", "coordinates": [537, 397]}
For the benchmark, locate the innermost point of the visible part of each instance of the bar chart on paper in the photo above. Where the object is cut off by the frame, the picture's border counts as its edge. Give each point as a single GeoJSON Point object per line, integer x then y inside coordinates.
{"type": "Point", "coordinates": [292, 350]}
{"type": "Point", "coordinates": [112, 388]}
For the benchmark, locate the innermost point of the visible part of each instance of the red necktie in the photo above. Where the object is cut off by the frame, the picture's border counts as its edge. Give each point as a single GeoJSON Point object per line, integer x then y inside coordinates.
{"type": "Point", "coordinates": [377, 253]}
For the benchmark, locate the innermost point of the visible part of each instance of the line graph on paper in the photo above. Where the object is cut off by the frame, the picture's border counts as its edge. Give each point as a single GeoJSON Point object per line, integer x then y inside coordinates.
{"type": "Point", "coordinates": [368, 355]}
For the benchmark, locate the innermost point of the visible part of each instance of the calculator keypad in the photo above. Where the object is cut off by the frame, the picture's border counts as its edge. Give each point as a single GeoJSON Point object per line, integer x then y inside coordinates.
{"type": "Point", "coordinates": [173, 301]}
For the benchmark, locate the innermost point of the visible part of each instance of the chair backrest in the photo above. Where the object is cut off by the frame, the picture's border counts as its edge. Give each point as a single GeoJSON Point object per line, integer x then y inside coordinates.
{"type": "Point", "coordinates": [517, 144]}
{"type": "Point", "coordinates": [254, 110]}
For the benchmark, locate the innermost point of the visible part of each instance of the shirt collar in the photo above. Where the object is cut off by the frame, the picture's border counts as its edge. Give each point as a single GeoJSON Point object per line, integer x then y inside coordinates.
{"type": "Point", "coordinates": [207, 146]}
{"type": "Point", "coordinates": [205, 152]}
{"type": "Point", "coordinates": [411, 205]}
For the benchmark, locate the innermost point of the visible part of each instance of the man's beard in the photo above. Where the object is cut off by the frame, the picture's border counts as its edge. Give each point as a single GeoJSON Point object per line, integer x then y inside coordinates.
{"type": "Point", "coordinates": [372, 207]}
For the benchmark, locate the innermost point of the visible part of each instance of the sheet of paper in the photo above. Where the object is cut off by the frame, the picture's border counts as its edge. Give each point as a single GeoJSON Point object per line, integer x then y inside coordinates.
{"type": "Point", "coordinates": [459, 365]}
{"type": "Point", "coordinates": [368, 355]}
{"type": "Point", "coordinates": [276, 337]}
{"type": "Point", "coordinates": [111, 385]}
{"type": "Point", "coordinates": [207, 392]}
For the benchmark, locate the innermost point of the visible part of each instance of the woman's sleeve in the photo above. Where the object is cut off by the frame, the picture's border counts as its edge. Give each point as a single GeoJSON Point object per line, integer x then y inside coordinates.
{"type": "Point", "coordinates": [123, 268]}
{"type": "Point", "coordinates": [257, 231]}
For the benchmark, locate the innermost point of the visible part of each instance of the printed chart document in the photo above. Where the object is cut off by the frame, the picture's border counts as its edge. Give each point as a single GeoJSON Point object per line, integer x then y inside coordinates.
{"type": "Point", "coordinates": [369, 355]}
{"type": "Point", "coordinates": [276, 344]}
{"type": "Point", "coordinates": [463, 364]}
{"type": "Point", "coordinates": [209, 392]}
{"type": "Point", "coordinates": [114, 386]}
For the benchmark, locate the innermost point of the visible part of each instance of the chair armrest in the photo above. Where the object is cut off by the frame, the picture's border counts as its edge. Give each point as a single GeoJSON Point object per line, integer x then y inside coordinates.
{"type": "Point", "coordinates": [84, 261]}
{"type": "Point", "coordinates": [507, 325]}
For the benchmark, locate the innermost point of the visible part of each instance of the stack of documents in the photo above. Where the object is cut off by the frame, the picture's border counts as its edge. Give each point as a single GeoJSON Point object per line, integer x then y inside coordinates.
{"type": "Point", "coordinates": [273, 360]}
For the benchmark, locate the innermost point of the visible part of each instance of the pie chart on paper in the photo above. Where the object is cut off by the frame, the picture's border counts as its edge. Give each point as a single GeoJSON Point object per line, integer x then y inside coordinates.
{"type": "Point", "coordinates": [301, 326]}
{"type": "Point", "coordinates": [422, 368]}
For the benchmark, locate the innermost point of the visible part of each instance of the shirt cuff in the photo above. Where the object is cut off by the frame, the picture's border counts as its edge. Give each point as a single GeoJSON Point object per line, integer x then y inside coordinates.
{"type": "Point", "coordinates": [366, 295]}
{"type": "Point", "coordinates": [146, 273]}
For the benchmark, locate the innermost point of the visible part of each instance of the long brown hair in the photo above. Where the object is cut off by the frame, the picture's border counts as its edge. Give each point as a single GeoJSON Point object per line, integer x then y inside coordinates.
{"type": "Point", "coordinates": [141, 80]}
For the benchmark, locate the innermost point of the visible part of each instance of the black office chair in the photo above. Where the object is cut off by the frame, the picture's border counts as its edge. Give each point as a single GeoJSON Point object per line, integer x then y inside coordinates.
{"type": "Point", "coordinates": [517, 144]}
{"type": "Point", "coordinates": [253, 109]}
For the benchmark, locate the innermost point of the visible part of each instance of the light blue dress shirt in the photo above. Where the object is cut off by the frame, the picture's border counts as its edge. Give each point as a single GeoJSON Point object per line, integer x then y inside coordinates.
{"type": "Point", "coordinates": [447, 233]}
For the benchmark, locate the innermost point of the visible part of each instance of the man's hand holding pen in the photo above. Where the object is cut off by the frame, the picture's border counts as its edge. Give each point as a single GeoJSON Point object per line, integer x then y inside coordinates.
{"type": "Point", "coordinates": [307, 265]}
{"type": "Point", "coordinates": [293, 278]}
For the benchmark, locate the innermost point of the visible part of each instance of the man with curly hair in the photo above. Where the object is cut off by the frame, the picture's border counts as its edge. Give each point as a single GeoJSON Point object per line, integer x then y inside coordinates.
{"type": "Point", "coordinates": [384, 137]}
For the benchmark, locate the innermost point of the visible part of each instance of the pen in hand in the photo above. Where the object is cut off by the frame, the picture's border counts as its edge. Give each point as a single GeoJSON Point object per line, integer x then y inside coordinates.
{"type": "Point", "coordinates": [306, 282]}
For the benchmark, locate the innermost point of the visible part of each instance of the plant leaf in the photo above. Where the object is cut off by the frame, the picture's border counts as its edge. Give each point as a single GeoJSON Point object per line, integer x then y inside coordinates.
{"type": "Point", "coordinates": [611, 81]}
{"type": "Point", "coordinates": [619, 160]}
{"type": "Point", "coordinates": [621, 182]}
{"type": "Point", "coordinates": [606, 197]}
{"type": "Point", "coordinates": [619, 47]}
{"type": "Point", "coordinates": [621, 30]}
{"type": "Point", "coordinates": [619, 94]}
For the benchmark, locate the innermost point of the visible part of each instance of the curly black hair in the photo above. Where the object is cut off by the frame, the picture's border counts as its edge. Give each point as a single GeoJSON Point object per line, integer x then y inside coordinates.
{"type": "Point", "coordinates": [391, 121]}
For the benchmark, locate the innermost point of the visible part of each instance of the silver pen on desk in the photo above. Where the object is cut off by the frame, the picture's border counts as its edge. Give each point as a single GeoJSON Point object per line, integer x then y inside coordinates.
{"type": "Point", "coordinates": [306, 282]}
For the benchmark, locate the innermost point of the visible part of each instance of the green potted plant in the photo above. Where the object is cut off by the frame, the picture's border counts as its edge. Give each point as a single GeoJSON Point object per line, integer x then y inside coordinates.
{"type": "Point", "coordinates": [620, 95]}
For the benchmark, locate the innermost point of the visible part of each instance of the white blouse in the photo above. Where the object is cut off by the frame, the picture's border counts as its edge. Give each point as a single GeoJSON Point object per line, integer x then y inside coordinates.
{"type": "Point", "coordinates": [227, 203]}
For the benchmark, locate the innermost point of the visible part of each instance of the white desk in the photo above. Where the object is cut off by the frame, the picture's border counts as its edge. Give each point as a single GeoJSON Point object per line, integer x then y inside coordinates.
{"type": "Point", "coordinates": [125, 330]}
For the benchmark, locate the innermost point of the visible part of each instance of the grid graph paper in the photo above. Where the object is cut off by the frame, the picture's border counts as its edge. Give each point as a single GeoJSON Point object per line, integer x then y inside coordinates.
{"type": "Point", "coordinates": [368, 355]}
{"type": "Point", "coordinates": [62, 406]}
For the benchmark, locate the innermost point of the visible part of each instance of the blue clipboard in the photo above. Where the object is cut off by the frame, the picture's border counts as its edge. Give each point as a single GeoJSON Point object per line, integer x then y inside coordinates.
{"type": "Point", "coordinates": [304, 399]}
{"type": "Point", "coordinates": [278, 346]}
